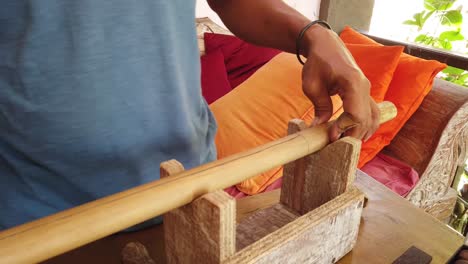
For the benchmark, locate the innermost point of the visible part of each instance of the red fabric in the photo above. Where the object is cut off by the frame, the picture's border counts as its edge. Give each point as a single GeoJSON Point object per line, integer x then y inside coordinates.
{"type": "Point", "coordinates": [396, 175]}
{"type": "Point", "coordinates": [214, 80]}
{"type": "Point", "coordinates": [234, 192]}
{"type": "Point", "coordinates": [242, 59]}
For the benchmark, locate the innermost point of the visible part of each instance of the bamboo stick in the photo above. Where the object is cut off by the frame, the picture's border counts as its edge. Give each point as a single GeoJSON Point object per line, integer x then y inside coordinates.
{"type": "Point", "coordinates": [53, 235]}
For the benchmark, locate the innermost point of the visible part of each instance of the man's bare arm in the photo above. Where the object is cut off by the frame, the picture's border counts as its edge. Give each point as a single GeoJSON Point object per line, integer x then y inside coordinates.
{"type": "Point", "coordinates": [330, 69]}
{"type": "Point", "coordinates": [263, 22]}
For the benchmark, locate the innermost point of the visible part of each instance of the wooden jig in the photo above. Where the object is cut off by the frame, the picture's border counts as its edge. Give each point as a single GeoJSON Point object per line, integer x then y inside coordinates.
{"type": "Point", "coordinates": [316, 221]}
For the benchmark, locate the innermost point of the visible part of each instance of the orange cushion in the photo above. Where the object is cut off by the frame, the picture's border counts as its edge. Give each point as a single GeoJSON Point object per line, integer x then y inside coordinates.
{"type": "Point", "coordinates": [411, 82]}
{"type": "Point", "coordinates": [351, 36]}
{"type": "Point", "coordinates": [258, 112]}
{"type": "Point", "coordinates": [378, 63]}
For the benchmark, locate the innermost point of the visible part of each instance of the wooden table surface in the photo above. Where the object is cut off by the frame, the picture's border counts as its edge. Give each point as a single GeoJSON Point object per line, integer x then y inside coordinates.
{"type": "Point", "coordinates": [390, 225]}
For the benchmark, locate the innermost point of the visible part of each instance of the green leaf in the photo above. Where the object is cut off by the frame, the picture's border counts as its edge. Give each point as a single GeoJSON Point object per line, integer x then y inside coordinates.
{"type": "Point", "coordinates": [419, 19]}
{"type": "Point", "coordinates": [438, 5]}
{"type": "Point", "coordinates": [421, 38]}
{"type": "Point", "coordinates": [411, 23]}
{"type": "Point", "coordinates": [453, 71]}
{"type": "Point", "coordinates": [452, 18]}
{"type": "Point", "coordinates": [425, 39]}
{"type": "Point", "coordinates": [463, 78]}
{"type": "Point", "coordinates": [460, 82]}
{"type": "Point", "coordinates": [444, 44]}
{"type": "Point", "coordinates": [451, 36]}
{"type": "Point", "coordinates": [457, 76]}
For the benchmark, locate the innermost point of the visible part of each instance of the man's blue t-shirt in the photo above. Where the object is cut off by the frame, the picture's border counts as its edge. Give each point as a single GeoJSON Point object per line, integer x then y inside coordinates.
{"type": "Point", "coordinates": [94, 95]}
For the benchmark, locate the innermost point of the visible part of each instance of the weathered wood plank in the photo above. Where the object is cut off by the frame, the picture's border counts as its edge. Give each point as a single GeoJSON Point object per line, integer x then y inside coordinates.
{"type": "Point", "coordinates": [330, 172]}
{"type": "Point", "coordinates": [293, 176]}
{"type": "Point", "coordinates": [317, 178]}
{"type": "Point", "coordinates": [200, 232]}
{"type": "Point", "coordinates": [303, 240]}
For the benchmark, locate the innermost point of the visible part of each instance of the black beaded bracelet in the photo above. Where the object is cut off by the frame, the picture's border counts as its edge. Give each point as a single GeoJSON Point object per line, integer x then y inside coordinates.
{"type": "Point", "coordinates": [301, 35]}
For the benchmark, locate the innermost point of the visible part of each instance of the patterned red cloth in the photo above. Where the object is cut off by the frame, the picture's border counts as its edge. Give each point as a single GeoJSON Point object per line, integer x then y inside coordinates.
{"type": "Point", "coordinates": [396, 175]}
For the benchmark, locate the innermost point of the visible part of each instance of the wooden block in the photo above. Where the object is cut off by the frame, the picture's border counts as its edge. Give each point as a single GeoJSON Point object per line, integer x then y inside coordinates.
{"type": "Point", "coordinates": [262, 223]}
{"type": "Point", "coordinates": [200, 232]}
{"type": "Point", "coordinates": [330, 172]}
{"type": "Point", "coordinates": [170, 167]}
{"type": "Point", "coordinates": [414, 256]}
{"type": "Point", "coordinates": [293, 178]}
{"type": "Point", "coordinates": [321, 236]}
{"type": "Point", "coordinates": [316, 179]}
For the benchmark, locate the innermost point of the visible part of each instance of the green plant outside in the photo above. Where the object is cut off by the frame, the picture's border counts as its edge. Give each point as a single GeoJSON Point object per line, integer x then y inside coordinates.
{"type": "Point", "coordinates": [450, 18]}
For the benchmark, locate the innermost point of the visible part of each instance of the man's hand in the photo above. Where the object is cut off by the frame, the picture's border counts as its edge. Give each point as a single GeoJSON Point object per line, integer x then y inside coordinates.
{"type": "Point", "coordinates": [330, 69]}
